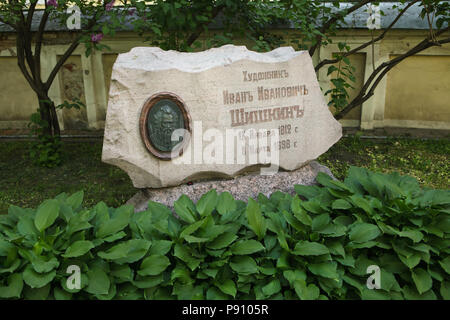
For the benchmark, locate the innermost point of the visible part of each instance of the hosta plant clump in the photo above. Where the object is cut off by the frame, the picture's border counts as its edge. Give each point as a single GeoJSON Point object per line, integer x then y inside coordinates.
{"type": "Point", "coordinates": [317, 244]}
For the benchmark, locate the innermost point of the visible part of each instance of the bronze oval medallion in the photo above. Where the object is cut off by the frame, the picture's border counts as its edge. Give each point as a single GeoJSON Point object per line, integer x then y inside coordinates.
{"type": "Point", "coordinates": [162, 114]}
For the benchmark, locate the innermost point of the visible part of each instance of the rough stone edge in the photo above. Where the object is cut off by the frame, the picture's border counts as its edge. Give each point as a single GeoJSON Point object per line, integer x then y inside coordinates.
{"type": "Point", "coordinates": [305, 175]}
{"type": "Point", "coordinates": [197, 62]}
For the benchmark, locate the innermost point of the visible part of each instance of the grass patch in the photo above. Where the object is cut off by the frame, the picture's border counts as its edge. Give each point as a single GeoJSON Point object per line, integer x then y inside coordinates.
{"type": "Point", "coordinates": [425, 160]}
{"type": "Point", "coordinates": [26, 185]}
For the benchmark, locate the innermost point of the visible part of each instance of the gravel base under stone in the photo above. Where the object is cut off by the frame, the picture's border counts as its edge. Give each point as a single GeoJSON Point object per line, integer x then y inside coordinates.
{"type": "Point", "coordinates": [241, 187]}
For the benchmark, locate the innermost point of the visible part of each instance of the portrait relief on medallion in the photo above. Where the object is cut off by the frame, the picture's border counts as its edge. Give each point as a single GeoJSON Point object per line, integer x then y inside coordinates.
{"type": "Point", "coordinates": [161, 117]}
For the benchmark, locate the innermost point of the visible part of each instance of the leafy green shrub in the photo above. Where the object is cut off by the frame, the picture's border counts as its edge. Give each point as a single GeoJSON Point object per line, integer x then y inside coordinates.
{"type": "Point", "coordinates": [314, 245]}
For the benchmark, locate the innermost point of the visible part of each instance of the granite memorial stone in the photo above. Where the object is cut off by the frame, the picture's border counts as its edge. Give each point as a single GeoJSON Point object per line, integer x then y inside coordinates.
{"type": "Point", "coordinates": [175, 117]}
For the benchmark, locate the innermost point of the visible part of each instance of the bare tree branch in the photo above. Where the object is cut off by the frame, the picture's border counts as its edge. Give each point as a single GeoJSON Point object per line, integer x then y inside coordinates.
{"type": "Point", "coordinates": [22, 66]}
{"type": "Point", "coordinates": [357, 49]}
{"type": "Point", "coordinates": [30, 13]}
{"type": "Point", "coordinates": [385, 67]}
{"type": "Point", "coordinates": [333, 20]}
{"type": "Point", "coordinates": [23, 41]}
{"type": "Point", "coordinates": [68, 53]}
{"type": "Point", "coordinates": [39, 37]}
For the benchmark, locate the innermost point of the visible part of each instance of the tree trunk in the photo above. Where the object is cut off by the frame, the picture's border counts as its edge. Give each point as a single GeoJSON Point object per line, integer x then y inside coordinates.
{"type": "Point", "coordinates": [48, 114]}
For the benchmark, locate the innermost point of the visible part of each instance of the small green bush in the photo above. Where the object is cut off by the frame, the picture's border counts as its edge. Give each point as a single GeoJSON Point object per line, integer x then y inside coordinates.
{"type": "Point", "coordinates": [314, 245]}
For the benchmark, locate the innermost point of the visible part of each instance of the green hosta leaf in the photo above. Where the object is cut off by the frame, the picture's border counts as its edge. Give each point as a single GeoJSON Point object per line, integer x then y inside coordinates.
{"type": "Point", "coordinates": [292, 275]}
{"type": "Point", "coordinates": [160, 247]}
{"type": "Point", "coordinates": [181, 273]}
{"type": "Point", "coordinates": [325, 269]}
{"type": "Point", "coordinates": [308, 192]}
{"type": "Point", "coordinates": [412, 294]}
{"type": "Point", "coordinates": [354, 177]}
{"type": "Point", "coordinates": [207, 203]}
{"type": "Point", "coordinates": [348, 261]}
{"type": "Point", "coordinates": [211, 272]}
{"type": "Point", "coordinates": [78, 222]}
{"type": "Point", "coordinates": [357, 283]}
{"type": "Point", "coordinates": [114, 237]}
{"type": "Point", "coordinates": [116, 223]}
{"type": "Point", "coordinates": [343, 221]}
{"type": "Point", "coordinates": [185, 209]}
{"type": "Point", "coordinates": [78, 248]}
{"type": "Point", "coordinates": [192, 239]}
{"type": "Point", "coordinates": [267, 270]}
{"type": "Point", "coordinates": [435, 273]}
{"type": "Point", "coordinates": [410, 261]}
{"type": "Point", "coordinates": [228, 287]}
{"type": "Point", "coordinates": [190, 229]}
{"type": "Point", "coordinates": [341, 204]}
{"type": "Point", "coordinates": [272, 288]}
{"type": "Point", "coordinates": [26, 227]}
{"type": "Point", "coordinates": [14, 214]}
{"type": "Point", "coordinates": [374, 294]}
{"type": "Point", "coordinates": [110, 295]}
{"type": "Point", "coordinates": [388, 281]}
{"type": "Point", "coordinates": [222, 241]}
{"type": "Point", "coordinates": [37, 280]}
{"type": "Point", "coordinates": [158, 211]}
{"type": "Point", "coordinates": [320, 222]}
{"type": "Point", "coordinates": [98, 282]}
{"type": "Point", "coordinates": [362, 232]}
{"type": "Point", "coordinates": [244, 265]}
{"type": "Point", "coordinates": [6, 247]}
{"type": "Point", "coordinates": [13, 267]}
{"type": "Point", "coordinates": [333, 230]}
{"type": "Point", "coordinates": [445, 290]}
{"type": "Point", "coordinates": [185, 292]}
{"type": "Point", "coordinates": [75, 200]}
{"type": "Point", "coordinates": [46, 214]}
{"type": "Point", "coordinates": [185, 255]}
{"type": "Point", "coordinates": [312, 206]}
{"type": "Point", "coordinates": [306, 292]}
{"type": "Point", "coordinates": [245, 247]}
{"type": "Point", "coordinates": [129, 292]}
{"type": "Point", "coordinates": [14, 287]}
{"type": "Point", "coordinates": [215, 294]}
{"type": "Point", "coordinates": [414, 235]}
{"type": "Point", "coordinates": [60, 294]}
{"type": "Point", "coordinates": [43, 264]}
{"type": "Point", "coordinates": [126, 252]}
{"type": "Point", "coordinates": [153, 265]}
{"type": "Point", "coordinates": [122, 273]}
{"type": "Point", "coordinates": [148, 282]}
{"type": "Point", "coordinates": [336, 248]}
{"type": "Point", "coordinates": [226, 203]}
{"type": "Point", "coordinates": [299, 212]}
{"type": "Point", "coordinates": [293, 221]}
{"type": "Point", "coordinates": [368, 244]}
{"type": "Point", "coordinates": [362, 203]}
{"type": "Point", "coordinates": [213, 231]}
{"type": "Point", "coordinates": [256, 221]}
{"type": "Point", "coordinates": [445, 264]}
{"type": "Point", "coordinates": [306, 248]}
{"type": "Point", "coordinates": [422, 280]}
{"type": "Point", "coordinates": [270, 242]}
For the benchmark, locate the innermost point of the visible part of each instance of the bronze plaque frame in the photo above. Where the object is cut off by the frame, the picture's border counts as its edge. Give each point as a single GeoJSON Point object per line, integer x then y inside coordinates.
{"type": "Point", "coordinates": [148, 105]}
